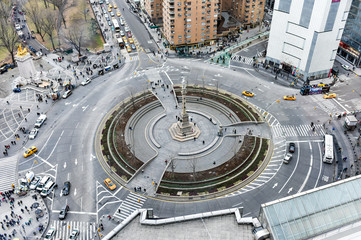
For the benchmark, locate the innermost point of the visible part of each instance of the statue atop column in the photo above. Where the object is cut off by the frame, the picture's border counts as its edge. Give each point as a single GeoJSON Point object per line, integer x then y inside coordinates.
{"type": "Point", "coordinates": [183, 129]}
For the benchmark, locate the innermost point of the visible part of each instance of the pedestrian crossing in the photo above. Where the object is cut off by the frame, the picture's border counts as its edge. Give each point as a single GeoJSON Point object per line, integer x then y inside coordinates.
{"type": "Point", "coordinates": [296, 131]}
{"type": "Point", "coordinates": [8, 173]}
{"type": "Point", "coordinates": [64, 228]}
{"type": "Point", "coordinates": [129, 205]}
{"type": "Point", "coordinates": [132, 58]}
{"type": "Point", "coordinates": [245, 60]}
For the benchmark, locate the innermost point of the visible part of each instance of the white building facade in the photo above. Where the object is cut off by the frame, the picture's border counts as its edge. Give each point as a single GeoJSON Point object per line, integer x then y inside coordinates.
{"type": "Point", "coordinates": [305, 36]}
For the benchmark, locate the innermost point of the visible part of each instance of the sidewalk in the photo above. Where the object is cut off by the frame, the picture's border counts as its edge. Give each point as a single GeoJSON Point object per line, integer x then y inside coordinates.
{"type": "Point", "coordinates": [21, 216]}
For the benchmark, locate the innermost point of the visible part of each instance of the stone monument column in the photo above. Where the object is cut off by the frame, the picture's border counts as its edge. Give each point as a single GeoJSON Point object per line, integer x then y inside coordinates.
{"type": "Point", "coordinates": [184, 130]}
{"type": "Point", "coordinates": [26, 66]}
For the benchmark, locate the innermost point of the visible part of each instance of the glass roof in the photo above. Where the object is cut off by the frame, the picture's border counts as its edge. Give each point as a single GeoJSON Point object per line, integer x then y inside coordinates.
{"type": "Point", "coordinates": [316, 211]}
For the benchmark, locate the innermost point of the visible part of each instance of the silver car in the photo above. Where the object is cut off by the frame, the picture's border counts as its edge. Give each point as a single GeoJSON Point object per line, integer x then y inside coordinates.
{"type": "Point", "coordinates": [74, 234]}
{"type": "Point", "coordinates": [35, 183]}
{"type": "Point", "coordinates": [287, 158]}
{"type": "Point", "coordinates": [50, 234]}
{"type": "Point", "coordinates": [33, 133]}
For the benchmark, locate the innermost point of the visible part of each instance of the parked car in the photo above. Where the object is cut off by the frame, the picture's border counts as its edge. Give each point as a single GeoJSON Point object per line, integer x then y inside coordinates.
{"type": "Point", "coordinates": [66, 188]}
{"type": "Point", "coordinates": [39, 122]}
{"type": "Point", "coordinates": [35, 182]}
{"type": "Point", "coordinates": [33, 133]}
{"type": "Point", "coordinates": [63, 212]}
{"type": "Point", "coordinates": [16, 90]}
{"type": "Point", "coordinates": [86, 81]}
{"type": "Point", "coordinates": [291, 147]}
{"type": "Point", "coordinates": [347, 68]}
{"type": "Point", "coordinates": [67, 94]}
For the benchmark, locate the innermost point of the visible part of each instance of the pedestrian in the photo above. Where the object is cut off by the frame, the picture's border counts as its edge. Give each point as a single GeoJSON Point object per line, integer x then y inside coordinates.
{"type": "Point", "coordinates": [109, 217]}
{"type": "Point", "coordinates": [25, 119]}
{"type": "Point", "coordinates": [166, 161]}
{"type": "Point", "coordinates": [21, 107]}
{"type": "Point", "coordinates": [7, 102]}
{"type": "Point", "coordinates": [135, 189]}
{"type": "Point", "coordinates": [19, 115]}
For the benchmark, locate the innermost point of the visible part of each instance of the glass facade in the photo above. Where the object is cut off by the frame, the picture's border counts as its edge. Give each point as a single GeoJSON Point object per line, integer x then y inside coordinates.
{"type": "Point", "coordinates": [350, 45]}
{"type": "Point", "coordinates": [313, 212]}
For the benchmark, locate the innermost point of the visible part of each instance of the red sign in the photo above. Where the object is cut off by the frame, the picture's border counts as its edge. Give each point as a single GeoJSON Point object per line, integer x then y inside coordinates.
{"type": "Point", "coordinates": [336, 1]}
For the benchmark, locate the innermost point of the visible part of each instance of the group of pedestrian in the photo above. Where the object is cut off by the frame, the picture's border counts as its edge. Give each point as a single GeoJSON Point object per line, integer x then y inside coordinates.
{"type": "Point", "coordinates": [139, 189]}
{"type": "Point", "coordinates": [15, 218]}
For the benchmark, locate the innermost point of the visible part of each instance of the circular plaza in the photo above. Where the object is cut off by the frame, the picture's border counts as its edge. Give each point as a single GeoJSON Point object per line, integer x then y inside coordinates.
{"type": "Point", "coordinates": [184, 143]}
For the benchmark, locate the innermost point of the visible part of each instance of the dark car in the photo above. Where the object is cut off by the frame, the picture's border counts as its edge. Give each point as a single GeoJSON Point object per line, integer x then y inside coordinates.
{"type": "Point", "coordinates": [292, 147]}
{"type": "Point", "coordinates": [63, 212]}
{"type": "Point", "coordinates": [66, 188]}
{"type": "Point", "coordinates": [15, 90]}
{"type": "Point", "coordinates": [129, 34]}
{"type": "Point", "coordinates": [3, 70]}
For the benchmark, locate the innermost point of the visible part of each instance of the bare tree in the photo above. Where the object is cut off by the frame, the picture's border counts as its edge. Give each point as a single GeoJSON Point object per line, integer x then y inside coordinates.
{"type": "Point", "coordinates": [77, 34]}
{"type": "Point", "coordinates": [193, 163]}
{"type": "Point", "coordinates": [8, 35]}
{"type": "Point", "coordinates": [84, 9]}
{"type": "Point", "coordinates": [61, 6]}
{"type": "Point", "coordinates": [50, 25]}
{"type": "Point", "coordinates": [34, 12]}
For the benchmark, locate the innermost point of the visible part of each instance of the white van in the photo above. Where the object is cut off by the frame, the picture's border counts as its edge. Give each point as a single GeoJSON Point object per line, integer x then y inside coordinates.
{"type": "Point", "coordinates": [29, 176]}
{"type": "Point", "coordinates": [40, 120]}
{"type": "Point", "coordinates": [47, 189]}
{"type": "Point", "coordinates": [42, 183]}
{"type": "Point", "coordinates": [67, 94]}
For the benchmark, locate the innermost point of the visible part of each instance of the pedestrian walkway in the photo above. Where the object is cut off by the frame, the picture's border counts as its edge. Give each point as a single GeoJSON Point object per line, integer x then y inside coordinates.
{"type": "Point", "coordinates": [298, 130]}
{"type": "Point", "coordinates": [129, 205]}
{"type": "Point", "coordinates": [21, 216]}
{"type": "Point", "coordinates": [245, 60]}
{"type": "Point", "coordinates": [8, 173]}
{"type": "Point", "coordinates": [87, 230]}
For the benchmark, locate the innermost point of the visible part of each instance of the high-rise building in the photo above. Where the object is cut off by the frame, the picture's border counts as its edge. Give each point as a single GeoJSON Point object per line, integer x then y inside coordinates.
{"type": "Point", "coordinates": [305, 36]}
{"type": "Point", "coordinates": [350, 45]}
{"type": "Point", "coordinates": [191, 22]}
{"type": "Point", "coordinates": [154, 9]}
{"type": "Point", "coordinates": [248, 12]}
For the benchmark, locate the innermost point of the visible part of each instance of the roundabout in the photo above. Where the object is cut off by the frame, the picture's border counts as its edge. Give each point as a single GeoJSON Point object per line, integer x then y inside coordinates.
{"type": "Point", "coordinates": [184, 143]}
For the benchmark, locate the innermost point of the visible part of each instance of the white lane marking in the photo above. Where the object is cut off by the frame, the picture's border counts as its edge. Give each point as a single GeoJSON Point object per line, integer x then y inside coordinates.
{"type": "Point", "coordinates": [76, 161]}
{"type": "Point", "coordinates": [309, 170]}
{"type": "Point", "coordinates": [64, 164]}
{"type": "Point", "coordinates": [294, 170]}
{"type": "Point", "coordinates": [319, 173]}
{"type": "Point", "coordinates": [84, 108]}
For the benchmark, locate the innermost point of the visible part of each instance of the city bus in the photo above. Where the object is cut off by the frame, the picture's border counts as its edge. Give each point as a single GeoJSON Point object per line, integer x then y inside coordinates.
{"type": "Point", "coordinates": [116, 25]}
{"type": "Point", "coordinates": [328, 149]}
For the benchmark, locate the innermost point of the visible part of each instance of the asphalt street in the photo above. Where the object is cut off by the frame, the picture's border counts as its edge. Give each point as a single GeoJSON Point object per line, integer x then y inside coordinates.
{"type": "Point", "coordinates": [66, 141]}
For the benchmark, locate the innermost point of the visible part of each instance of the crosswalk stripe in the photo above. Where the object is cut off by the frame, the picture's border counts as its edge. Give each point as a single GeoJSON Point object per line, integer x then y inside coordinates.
{"type": "Point", "coordinates": [87, 229]}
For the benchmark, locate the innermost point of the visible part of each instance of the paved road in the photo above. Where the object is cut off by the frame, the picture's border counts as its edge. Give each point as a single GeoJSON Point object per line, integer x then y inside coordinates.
{"type": "Point", "coordinates": [66, 141]}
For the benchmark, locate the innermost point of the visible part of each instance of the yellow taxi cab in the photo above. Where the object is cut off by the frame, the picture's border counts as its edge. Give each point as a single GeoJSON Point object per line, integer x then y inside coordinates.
{"type": "Point", "coordinates": [289, 97]}
{"type": "Point", "coordinates": [110, 6]}
{"type": "Point", "coordinates": [110, 184]}
{"type": "Point", "coordinates": [329, 95]}
{"type": "Point", "coordinates": [129, 49]}
{"type": "Point", "coordinates": [115, 6]}
{"type": "Point", "coordinates": [248, 93]}
{"type": "Point", "coordinates": [118, 14]}
{"type": "Point", "coordinates": [125, 39]}
{"type": "Point", "coordinates": [109, 9]}
{"type": "Point", "coordinates": [30, 151]}
{"type": "Point", "coordinates": [131, 40]}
